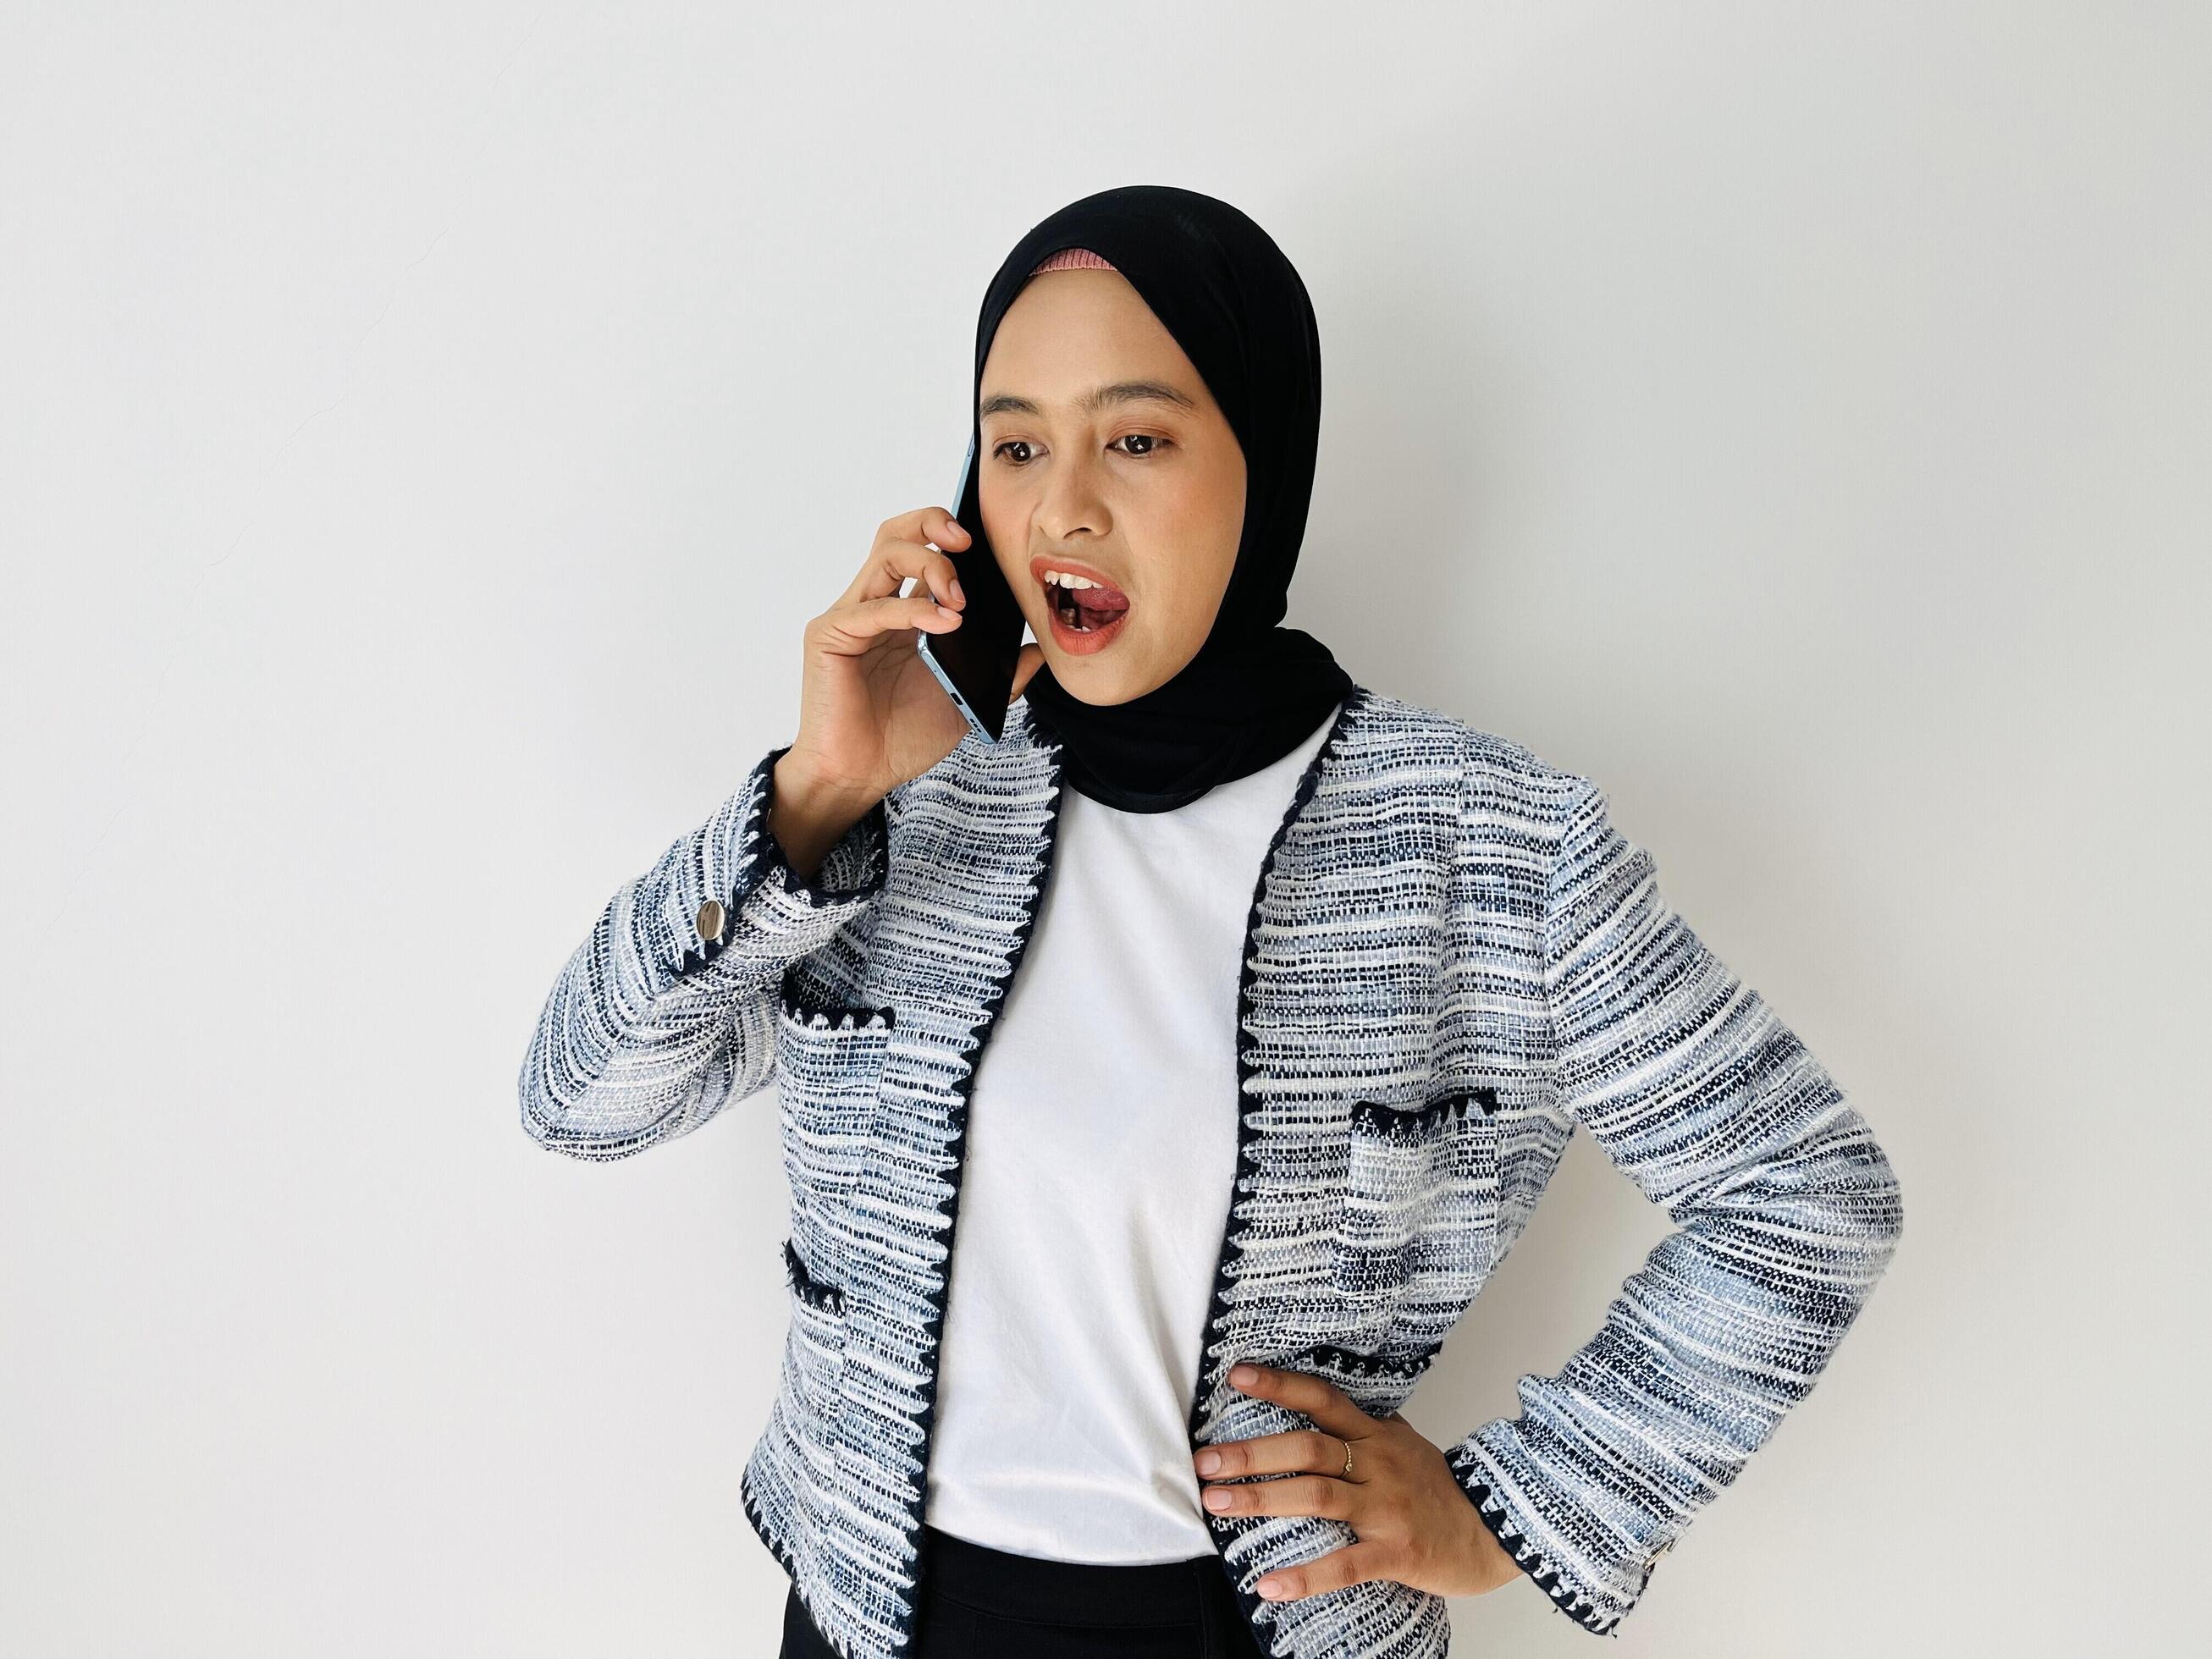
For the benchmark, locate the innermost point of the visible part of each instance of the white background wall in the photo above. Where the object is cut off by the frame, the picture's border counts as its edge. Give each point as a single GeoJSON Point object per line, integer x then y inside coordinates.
{"type": "Point", "coordinates": [424, 430]}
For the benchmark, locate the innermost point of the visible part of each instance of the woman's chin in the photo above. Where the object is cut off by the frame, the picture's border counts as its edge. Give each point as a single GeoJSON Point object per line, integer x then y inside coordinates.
{"type": "Point", "coordinates": [1098, 677]}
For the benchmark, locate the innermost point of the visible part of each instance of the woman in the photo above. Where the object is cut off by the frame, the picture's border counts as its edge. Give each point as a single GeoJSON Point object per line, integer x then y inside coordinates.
{"type": "Point", "coordinates": [1292, 994]}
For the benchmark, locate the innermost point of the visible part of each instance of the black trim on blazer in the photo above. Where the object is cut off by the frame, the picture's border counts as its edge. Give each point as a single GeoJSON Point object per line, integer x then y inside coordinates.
{"type": "Point", "coordinates": [1259, 1613]}
{"type": "Point", "coordinates": [979, 1033]}
{"type": "Point", "coordinates": [1375, 1118]}
{"type": "Point", "coordinates": [815, 1292]}
{"type": "Point", "coordinates": [809, 1008]}
{"type": "Point", "coordinates": [1327, 1354]}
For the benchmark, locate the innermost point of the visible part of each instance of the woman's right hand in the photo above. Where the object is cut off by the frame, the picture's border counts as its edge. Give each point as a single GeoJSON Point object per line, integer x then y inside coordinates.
{"type": "Point", "coordinates": [871, 714]}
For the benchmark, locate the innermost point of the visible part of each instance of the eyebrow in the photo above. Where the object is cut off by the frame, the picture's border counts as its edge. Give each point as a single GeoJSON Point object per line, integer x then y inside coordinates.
{"type": "Point", "coordinates": [1122, 392]}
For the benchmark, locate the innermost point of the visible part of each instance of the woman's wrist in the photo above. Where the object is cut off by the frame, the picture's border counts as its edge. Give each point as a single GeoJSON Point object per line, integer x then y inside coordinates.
{"type": "Point", "coordinates": [1494, 1564]}
{"type": "Point", "coordinates": [808, 815]}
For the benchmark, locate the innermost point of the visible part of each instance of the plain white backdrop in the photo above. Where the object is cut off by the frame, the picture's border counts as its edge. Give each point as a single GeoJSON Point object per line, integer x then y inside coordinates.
{"type": "Point", "coordinates": [424, 431]}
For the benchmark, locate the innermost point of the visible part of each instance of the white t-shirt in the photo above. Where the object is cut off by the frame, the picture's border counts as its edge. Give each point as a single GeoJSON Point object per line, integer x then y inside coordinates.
{"type": "Point", "coordinates": [1102, 1146]}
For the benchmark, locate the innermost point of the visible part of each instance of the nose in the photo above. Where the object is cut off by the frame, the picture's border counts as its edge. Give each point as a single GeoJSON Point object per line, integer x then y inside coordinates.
{"type": "Point", "coordinates": [1074, 502]}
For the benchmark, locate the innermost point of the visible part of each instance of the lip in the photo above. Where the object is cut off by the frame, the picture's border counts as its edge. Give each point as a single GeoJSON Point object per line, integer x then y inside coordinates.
{"type": "Point", "coordinates": [1039, 565]}
{"type": "Point", "coordinates": [1075, 644]}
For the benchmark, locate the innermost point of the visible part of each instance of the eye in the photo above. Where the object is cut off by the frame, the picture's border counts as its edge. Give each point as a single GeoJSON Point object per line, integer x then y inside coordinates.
{"type": "Point", "coordinates": [1152, 443]}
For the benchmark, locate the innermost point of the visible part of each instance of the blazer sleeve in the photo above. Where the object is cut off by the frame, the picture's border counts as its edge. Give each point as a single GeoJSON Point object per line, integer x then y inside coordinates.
{"type": "Point", "coordinates": [653, 1026]}
{"type": "Point", "coordinates": [1787, 1210]}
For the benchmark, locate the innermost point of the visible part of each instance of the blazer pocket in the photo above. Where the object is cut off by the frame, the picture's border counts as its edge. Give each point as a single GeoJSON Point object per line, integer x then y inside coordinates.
{"type": "Point", "coordinates": [829, 1066]}
{"type": "Point", "coordinates": [814, 1351]}
{"type": "Point", "coordinates": [1378, 1383]}
{"type": "Point", "coordinates": [1421, 1203]}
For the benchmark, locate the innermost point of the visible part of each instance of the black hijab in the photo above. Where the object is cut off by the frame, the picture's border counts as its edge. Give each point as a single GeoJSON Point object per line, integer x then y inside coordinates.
{"type": "Point", "coordinates": [1238, 308]}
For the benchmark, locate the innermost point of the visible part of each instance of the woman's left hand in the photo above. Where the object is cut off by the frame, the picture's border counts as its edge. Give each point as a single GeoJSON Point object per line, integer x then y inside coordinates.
{"type": "Point", "coordinates": [1416, 1523]}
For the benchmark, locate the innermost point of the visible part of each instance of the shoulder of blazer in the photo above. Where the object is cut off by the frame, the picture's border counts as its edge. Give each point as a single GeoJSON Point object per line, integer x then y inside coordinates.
{"type": "Point", "coordinates": [1491, 762]}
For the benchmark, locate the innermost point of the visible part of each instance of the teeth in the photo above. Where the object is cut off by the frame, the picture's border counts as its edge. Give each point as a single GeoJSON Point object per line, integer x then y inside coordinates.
{"type": "Point", "coordinates": [1064, 585]}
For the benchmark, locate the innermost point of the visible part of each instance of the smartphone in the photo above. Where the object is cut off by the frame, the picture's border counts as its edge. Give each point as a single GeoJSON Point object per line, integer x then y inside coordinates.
{"type": "Point", "coordinates": [975, 662]}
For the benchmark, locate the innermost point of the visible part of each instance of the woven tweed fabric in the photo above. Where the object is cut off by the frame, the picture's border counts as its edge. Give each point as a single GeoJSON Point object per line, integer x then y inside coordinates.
{"type": "Point", "coordinates": [1453, 959]}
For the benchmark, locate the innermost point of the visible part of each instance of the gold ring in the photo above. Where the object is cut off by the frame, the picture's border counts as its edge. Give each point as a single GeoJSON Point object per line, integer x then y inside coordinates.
{"type": "Point", "coordinates": [1347, 1459]}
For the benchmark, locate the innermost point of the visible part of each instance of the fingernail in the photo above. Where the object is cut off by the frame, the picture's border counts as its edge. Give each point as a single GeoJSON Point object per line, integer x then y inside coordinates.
{"type": "Point", "coordinates": [947, 610]}
{"type": "Point", "coordinates": [1241, 1375]}
{"type": "Point", "coordinates": [1269, 1588]}
{"type": "Point", "coordinates": [1208, 1462]}
{"type": "Point", "coordinates": [956, 594]}
{"type": "Point", "coordinates": [1216, 1499]}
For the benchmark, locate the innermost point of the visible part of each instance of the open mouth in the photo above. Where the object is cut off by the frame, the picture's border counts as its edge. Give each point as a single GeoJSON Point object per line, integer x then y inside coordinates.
{"type": "Point", "coordinates": [1087, 610]}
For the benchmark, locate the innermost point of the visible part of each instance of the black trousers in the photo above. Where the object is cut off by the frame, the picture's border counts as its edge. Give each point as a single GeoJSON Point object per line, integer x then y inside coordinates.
{"type": "Point", "coordinates": [981, 1603]}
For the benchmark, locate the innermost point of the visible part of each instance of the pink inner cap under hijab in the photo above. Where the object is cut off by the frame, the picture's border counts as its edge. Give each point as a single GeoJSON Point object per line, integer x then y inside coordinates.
{"type": "Point", "coordinates": [1072, 259]}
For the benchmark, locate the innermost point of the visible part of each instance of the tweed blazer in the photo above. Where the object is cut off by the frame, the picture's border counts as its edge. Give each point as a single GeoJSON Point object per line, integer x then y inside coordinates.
{"type": "Point", "coordinates": [1452, 959]}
